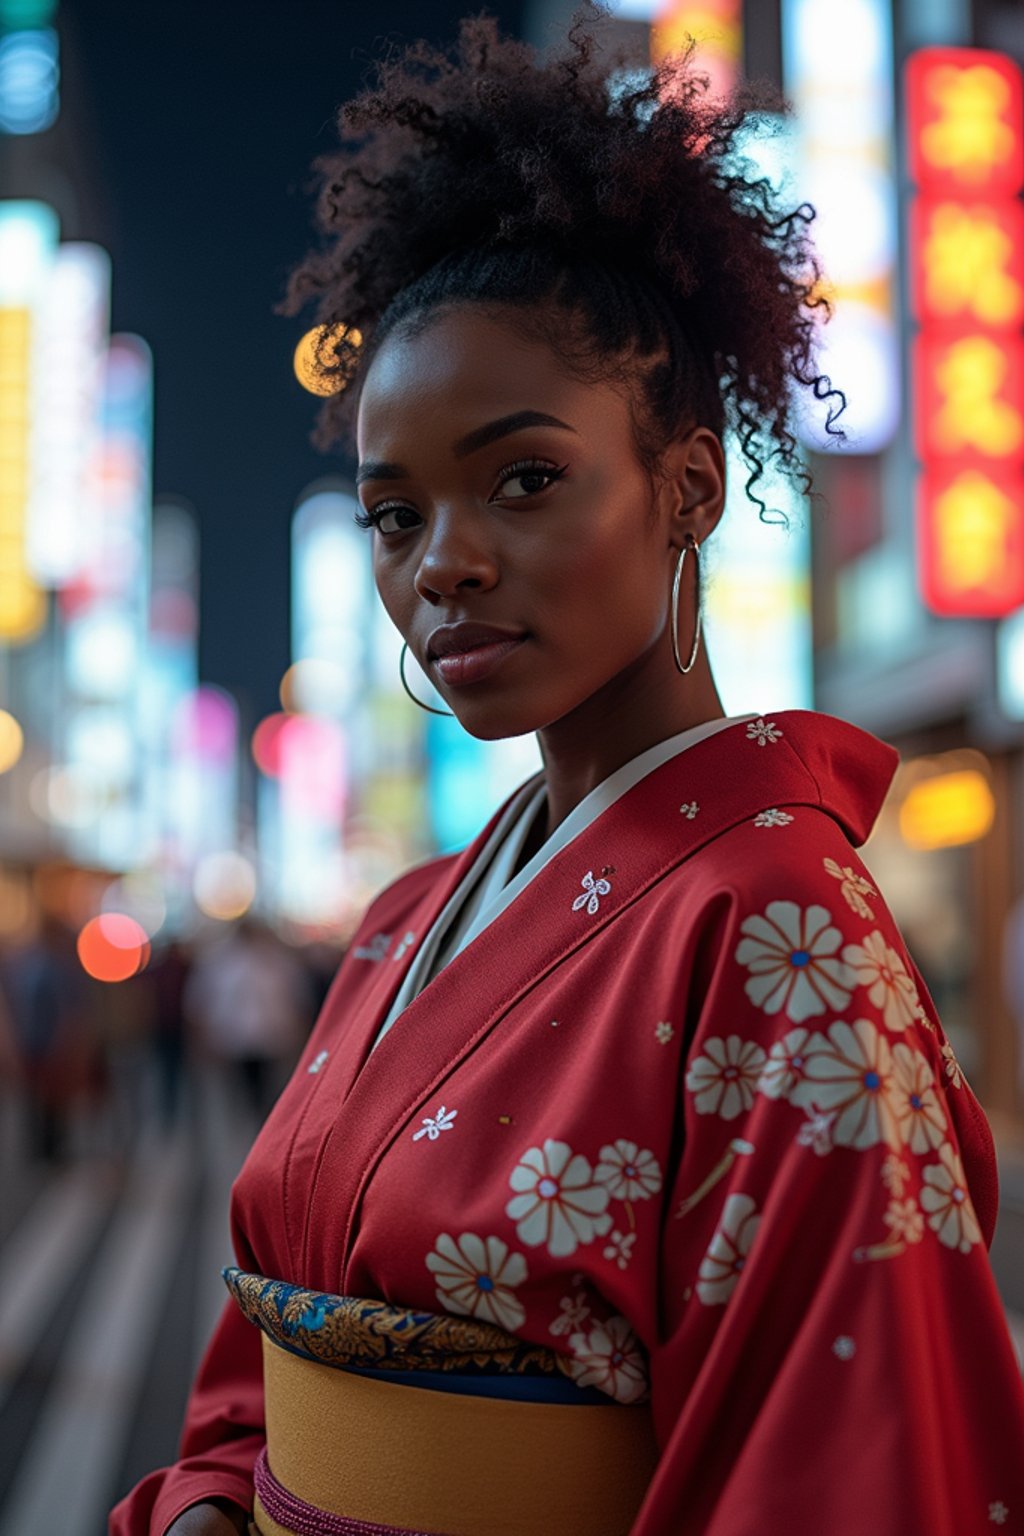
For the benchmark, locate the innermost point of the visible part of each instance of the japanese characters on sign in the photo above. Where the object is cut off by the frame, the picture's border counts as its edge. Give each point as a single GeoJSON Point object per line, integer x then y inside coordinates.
{"type": "Point", "coordinates": [966, 159]}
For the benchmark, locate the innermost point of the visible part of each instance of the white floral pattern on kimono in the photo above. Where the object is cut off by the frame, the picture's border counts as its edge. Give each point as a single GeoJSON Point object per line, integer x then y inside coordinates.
{"type": "Point", "coordinates": [878, 967]}
{"type": "Point", "coordinates": [727, 1252]}
{"type": "Point", "coordinates": [919, 1115]}
{"type": "Point", "coordinates": [947, 1203]}
{"type": "Point", "coordinates": [475, 1277]}
{"type": "Point", "coordinates": [608, 1357]}
{"type": "Point", "coordinates": [628, 1173]}
{"type": "Point", "coordinates": [557, 1205]}
{"type": "Point", "coordinates": [786, 1065]}
{"type": "Point", "coordinates": [791, 956]}
{"type": "Point", "coordinates": [850, 1070]}
{"type": "Point", "coordinates": [724, 1079]}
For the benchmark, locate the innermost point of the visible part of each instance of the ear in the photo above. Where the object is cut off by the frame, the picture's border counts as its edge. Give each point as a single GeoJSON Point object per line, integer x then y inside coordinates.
{"type": "Point", "coordinates": [693, 490]}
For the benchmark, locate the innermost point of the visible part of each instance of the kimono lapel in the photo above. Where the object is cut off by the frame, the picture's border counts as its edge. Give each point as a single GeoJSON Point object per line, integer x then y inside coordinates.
{"type": "Point", "coordinates": [403, 945]}
{"type": "Point", "coordinates": [605, 869]}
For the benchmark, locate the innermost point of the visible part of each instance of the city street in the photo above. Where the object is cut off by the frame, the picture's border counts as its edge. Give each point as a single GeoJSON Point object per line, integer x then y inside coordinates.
{"type": "Point", "coordinates": [109, 1287]}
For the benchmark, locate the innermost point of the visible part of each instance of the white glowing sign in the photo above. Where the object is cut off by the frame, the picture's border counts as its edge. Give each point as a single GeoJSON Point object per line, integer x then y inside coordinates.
{"type": "Point", "coordinates": [757, 573]}
{"type": "Point", "coordinates": [838, 74]}
{"type": "Point", "coordinates": [331, 595]}
{"type": "Point", "coordinates": [67, 391]}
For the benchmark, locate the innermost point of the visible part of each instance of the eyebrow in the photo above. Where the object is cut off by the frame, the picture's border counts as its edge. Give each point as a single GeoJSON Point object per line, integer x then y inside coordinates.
{"type": "Point", "coordinates": [478, 438]}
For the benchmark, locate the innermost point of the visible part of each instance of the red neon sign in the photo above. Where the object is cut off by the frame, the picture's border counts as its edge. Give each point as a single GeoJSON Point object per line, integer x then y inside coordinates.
{"type": "Point", "coordinates": [965, 111]}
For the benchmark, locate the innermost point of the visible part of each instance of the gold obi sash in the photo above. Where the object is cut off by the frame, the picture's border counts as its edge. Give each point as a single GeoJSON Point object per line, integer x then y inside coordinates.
{"type": "Point", "coordinates": [354, 1454]}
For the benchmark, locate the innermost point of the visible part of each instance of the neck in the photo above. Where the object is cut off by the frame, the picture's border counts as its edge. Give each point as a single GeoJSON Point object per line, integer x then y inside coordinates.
{"type": "Point", "coordinates": [641, 706]}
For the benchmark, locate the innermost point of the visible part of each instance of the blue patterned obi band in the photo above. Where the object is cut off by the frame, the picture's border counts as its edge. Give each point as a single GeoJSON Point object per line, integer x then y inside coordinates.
{"type": "Point", "coordinates": [424, 1349]}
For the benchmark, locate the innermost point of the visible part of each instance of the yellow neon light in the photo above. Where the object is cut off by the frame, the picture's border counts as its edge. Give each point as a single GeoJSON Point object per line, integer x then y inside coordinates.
{"type": "Point", "coordinates": [948, 810]}
{"type": "Point", "coordinates": [12, 740]}
{"type": "Point", "coordinates": [965, 256]}
{"type": "Point", "coordinates": [971, 135]}
{"type": "Point", "coordinates": [973, 525]}
{"type": "Point", "coordinates": [970, 376]}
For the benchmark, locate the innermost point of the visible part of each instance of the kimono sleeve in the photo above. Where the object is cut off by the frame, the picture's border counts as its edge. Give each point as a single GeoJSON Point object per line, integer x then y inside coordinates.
{"type": "Point", "coordinates": [222, 1436]}
{"type": "Point", "coordinates": [832, 1354]}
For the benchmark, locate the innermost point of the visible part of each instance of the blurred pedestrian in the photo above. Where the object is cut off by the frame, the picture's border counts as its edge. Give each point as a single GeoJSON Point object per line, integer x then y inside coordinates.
{"type": "Point", "coordinates": [51, 1023]}
{"type": "Point", "coordinates": [167, 976]}
{"type": "Point", "coordinates": [249, 1001]}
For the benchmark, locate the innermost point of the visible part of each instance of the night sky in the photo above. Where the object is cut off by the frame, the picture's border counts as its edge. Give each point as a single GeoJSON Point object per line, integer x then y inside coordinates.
{"type": "Point", "coordinates": [204, 120]}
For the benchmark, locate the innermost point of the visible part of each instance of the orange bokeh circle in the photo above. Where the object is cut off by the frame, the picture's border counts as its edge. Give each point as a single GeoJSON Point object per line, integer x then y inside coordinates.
{"type": "Point", "coordinates": [113, 947]}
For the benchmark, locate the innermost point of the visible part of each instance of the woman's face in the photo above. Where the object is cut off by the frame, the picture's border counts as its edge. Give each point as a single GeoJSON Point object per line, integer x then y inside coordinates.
{"type": "Point", "coordinates": [507, 494]}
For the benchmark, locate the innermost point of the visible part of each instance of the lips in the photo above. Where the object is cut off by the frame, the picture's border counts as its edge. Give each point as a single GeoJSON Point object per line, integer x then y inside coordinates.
{"type": "Point", "coordinates": [457, 639]}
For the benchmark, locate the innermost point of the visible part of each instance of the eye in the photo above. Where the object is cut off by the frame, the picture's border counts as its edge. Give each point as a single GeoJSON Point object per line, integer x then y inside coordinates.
{"type": "Point", "coordinates": [532, 470]}
{"type": "Point", "coordinates": [384, 517]}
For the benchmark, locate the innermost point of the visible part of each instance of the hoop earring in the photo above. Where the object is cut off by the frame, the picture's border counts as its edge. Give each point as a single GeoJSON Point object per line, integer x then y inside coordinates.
{"type": "Point", "coordinates": [675, 606]}
{"type": "Point", "coordinates": [428, 707]}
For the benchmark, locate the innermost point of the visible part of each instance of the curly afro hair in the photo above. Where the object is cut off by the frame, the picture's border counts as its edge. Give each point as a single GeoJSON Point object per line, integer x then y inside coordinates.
{"type": "Point", "coordinates": [619, 195]}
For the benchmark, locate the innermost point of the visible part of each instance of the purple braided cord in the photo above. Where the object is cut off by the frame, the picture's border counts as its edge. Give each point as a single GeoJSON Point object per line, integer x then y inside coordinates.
{"type": "Point", "coordinates": [307, 1520]}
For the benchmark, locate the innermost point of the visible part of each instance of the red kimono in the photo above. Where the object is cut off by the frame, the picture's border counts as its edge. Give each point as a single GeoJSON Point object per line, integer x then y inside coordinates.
{"type": "Point", "coordinates": [684, 1113]}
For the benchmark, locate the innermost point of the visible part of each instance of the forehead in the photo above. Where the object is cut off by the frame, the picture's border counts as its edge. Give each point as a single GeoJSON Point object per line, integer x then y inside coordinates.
{"type": "Point", "coordinates": [468, 365]}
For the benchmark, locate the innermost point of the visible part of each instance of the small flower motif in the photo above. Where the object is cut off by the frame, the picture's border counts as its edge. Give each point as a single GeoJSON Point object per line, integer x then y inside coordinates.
{"type": "Point", "coordinates": [784, 1069]}
{"type": "Point", "coordinates": [727, 1252]}
{"type": "Point", "coordinates": [854, 888]}
{"type": "Point", "coordinates": [878, 967]}
{"type": "Point", "coordinates": [689, 809]}
{"type": "Point", "coordinates": [763, 731]}
{"type": "Point", "coordinates": [609, 1358]}
{"type": "Point", "coordinates": [573, 1313]}
{"type": "Point", "coordinates": [791, 956]}
{"type": "Point", "coordinates": [663, 1032]}
{"type": "Point", "coordinates": [558, 1203]}
{"type": "Point", "coordinates": [816, 1132]}
{"type": "Point", "coordinates": [946, 1199]}
{"type": "Point", "coordinates": [844, 1347]}
{"type": "Point", "coordinates": [919, 1114]}
{"type": "Point", "coordinates": [475, 1278]}
{"type": "Point", "coordinates": [772, 818]}
{"type": "Point", "coordinates": [850, 1071]}
{"type": "Point", "coordinates": [433, 1125]}
{"type": "Point", "coordinates": [318, 1061]}
{"type": "Point", "coordinates": [953, 1069]}
{"type": "Point", "coordinates": [905, 1220]}
{"type": "Point", "coordinates": [895, 1174]}
{"type": "Point", "coordinates": [375, 950]}
{"type": "Point", "coordinates": [724, 1079]}
{"type": "Point", "coordinates": [620, 1247]}
{"type": "Point", "coordinates": [628, 1173]}
{"type": "Point", "coordinates": [593, 890]}
{"type": "Point", "coordinates": [998, 1512]}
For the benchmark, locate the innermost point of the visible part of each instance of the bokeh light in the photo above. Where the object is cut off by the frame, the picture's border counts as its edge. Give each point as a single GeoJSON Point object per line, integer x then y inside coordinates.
{"type": "Point", "coordinates": [113, 947]}
{"type": "Point", "coordinates": [224, 885]}
{"type": "Point", "coordinates": [266, 744]}
{"type": "Point", "coordinates": [12, 740]}
{"type": "Point", "coordinates": [315, 685]}
{"type": "Point", "coordinates": [310, 370]}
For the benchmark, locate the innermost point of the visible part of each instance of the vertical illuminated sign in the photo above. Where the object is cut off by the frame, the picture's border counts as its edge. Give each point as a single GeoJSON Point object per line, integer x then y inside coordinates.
{"type": "Point", "coordinates": [106, 612]}
{"type": "Point", "coordinates": [68, 358]}
{"type": "Point", "coordinates": [28, 239]}
{"type": "Point", "coordinates": [966, 160]}
{"type": "Point", "coordinates": [838, 73]}
{"type": "Point", "coordinates": [758, 573]}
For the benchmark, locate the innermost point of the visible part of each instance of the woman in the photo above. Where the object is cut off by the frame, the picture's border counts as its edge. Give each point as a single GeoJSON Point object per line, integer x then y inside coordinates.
{"type": "Point", "coordinates": [628, 1181]}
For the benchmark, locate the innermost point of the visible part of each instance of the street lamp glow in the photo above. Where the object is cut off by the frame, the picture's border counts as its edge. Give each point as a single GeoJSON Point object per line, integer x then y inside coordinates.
{"type": "Point", "coordinates": [317, 352]}
{"type": "Point", "coordinates": [12, 741]}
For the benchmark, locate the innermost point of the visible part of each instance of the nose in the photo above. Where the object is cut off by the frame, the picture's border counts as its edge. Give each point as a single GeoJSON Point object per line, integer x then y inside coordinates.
{"type": "Point", "coordinates": [456, 555]}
